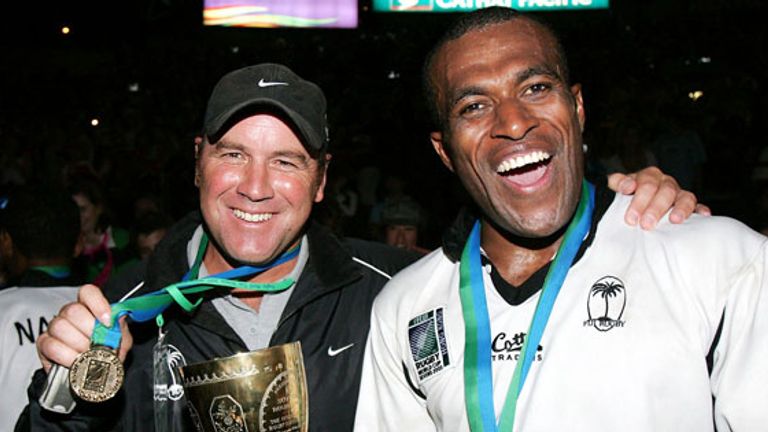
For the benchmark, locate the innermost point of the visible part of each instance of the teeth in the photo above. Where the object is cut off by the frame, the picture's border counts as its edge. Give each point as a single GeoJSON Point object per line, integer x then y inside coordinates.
{"type": "Point", "coordinates": [258, 217]}
{"type": "Point", "coordinates": [521, 161]}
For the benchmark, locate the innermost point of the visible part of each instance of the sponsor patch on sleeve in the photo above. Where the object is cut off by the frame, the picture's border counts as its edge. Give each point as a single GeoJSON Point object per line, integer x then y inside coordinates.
{"type": "Point", "coordinates": [426, 335]}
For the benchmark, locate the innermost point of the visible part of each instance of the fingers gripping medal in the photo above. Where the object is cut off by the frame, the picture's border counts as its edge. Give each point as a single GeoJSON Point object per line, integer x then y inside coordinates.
{"type": "Point", "coordinates": [97, 374]}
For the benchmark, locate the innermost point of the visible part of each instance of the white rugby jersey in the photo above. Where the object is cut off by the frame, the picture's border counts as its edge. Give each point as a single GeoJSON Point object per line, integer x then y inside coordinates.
{"type": "Point", "coordinates": [624, 350]}
{"type": "Point", "coordinates": [24, 314]}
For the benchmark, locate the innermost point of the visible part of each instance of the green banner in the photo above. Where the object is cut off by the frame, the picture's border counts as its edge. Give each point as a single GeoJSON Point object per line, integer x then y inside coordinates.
{"type": "Point", "coordinates": [470, 5]}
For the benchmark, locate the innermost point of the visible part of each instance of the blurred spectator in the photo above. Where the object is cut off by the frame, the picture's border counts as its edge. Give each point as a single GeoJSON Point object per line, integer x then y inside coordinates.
{"type": "Point", "coordinates": [341, 209]}
{"type": "Point", "coordinates": [149, 230]}
{"type": "Point", "coordinates": [394, 190]}
{"type": "Point", "coordinates": [39, 236]}
{"type": "Point", "coordinates": [146, 203]}
{"type": "Point", "coordinates": [106, 246]}
{"type": "Point", "coordinates": [345, 196]}
{"type": "Point", "coordinates": [401, 219]}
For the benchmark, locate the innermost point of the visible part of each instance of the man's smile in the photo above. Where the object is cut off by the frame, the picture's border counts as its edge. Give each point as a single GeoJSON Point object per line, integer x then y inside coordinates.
{"type": "Point", "coordinates": [252, 217]}
{"type": "Point", "coordinates": [525, 169]}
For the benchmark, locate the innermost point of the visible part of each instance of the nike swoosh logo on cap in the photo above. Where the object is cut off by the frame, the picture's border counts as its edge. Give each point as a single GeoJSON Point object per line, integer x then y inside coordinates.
{"type": "Point", "coordinates": [263, 83]}
{"type": "Point", "coordinates": [334, 352]}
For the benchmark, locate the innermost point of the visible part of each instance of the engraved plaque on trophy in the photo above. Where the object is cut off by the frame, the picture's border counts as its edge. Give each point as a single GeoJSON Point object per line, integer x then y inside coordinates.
{"type": "Point", "coordinates": [260, 391]}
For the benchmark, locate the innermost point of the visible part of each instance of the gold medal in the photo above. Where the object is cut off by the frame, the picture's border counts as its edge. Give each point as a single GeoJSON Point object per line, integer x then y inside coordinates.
{"type": "Point", "coordinates": [97, 374]}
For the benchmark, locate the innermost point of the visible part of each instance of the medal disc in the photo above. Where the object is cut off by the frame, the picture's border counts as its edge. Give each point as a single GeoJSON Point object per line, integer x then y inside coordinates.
{"type": "Point", "coordinates": [96, 375]}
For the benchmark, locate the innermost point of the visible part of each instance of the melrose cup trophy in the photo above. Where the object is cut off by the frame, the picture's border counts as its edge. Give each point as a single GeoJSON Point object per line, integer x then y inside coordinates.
{"type": "Point", "coordinates": [259, 391]}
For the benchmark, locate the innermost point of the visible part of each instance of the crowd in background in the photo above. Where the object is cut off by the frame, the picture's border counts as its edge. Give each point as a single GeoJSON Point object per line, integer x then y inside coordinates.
{"type": "Point", "coordinates": [115, 107]}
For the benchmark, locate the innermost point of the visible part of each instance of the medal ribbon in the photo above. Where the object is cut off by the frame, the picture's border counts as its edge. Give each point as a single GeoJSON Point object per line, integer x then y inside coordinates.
{"type": "Point", "coordinates": [148, 306]}
{"type": "Point", "coordinates": [478, 372]}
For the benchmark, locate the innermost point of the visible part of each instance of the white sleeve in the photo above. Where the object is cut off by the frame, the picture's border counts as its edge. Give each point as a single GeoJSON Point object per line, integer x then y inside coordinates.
{"type": "Point", "coordinates": [740, 369]}
{"type": "Point", "coordinates": [386, 401]}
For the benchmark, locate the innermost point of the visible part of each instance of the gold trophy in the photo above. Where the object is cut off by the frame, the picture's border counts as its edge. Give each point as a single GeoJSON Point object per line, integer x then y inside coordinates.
{"type": "Point", "coordinates": [260, 391]}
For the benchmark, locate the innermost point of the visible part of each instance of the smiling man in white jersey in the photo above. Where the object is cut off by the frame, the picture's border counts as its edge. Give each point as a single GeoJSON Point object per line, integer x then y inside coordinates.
{"type": "Point", "coordinates": [543, 311]}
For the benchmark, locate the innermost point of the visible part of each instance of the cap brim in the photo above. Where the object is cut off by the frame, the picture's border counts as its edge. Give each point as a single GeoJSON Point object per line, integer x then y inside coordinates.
{"type": "Point", "coordinates": [221, 124]}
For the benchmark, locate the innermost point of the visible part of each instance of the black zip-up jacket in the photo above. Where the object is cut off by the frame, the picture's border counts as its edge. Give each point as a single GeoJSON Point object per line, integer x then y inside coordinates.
{"type": "Point", "coordinates": [328, 309]}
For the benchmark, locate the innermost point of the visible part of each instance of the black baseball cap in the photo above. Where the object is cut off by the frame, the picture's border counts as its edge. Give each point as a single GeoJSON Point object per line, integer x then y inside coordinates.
{"type": "Point", "coordinates": [274, 88]}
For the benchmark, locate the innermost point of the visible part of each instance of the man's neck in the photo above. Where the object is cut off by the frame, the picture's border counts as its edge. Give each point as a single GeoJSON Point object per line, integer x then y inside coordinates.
{"type": "Point", "coordinates": [517, 258]}
{"type": "Point", "coordinates": [215, 263]}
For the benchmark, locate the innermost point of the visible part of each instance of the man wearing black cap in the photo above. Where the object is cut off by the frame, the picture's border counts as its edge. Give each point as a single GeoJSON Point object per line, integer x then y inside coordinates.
{"type": "Point", "coordinates": [260, 167]}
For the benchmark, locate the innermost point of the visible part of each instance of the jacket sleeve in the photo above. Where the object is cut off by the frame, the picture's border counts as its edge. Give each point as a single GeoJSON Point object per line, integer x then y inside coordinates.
{"type": "Point", "coordinates": [387, 402]}
{"type": "Point", "coordinates": [739, 377]}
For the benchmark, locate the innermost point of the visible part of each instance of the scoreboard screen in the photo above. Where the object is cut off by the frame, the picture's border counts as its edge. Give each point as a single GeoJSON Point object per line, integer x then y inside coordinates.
{"type": "Point", "coordinates": [281, 13]}
{"type": "Point", "coordinates": [470, 5]}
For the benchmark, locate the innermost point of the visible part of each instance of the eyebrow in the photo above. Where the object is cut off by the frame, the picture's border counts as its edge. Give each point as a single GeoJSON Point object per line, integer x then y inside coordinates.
{"type": "Point", "coordinates": [466, 92]}
{"type": "Point", "coordinates": [224, 144]}
{"type": "Point", "coordinates": [538, 70]}
{"type": "Point", "coordinates": [292, 154]}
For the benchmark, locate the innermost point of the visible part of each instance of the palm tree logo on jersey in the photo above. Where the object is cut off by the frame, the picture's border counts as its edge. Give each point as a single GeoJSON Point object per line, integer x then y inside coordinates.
{"type": "Point", "coordinates": [606, 302]}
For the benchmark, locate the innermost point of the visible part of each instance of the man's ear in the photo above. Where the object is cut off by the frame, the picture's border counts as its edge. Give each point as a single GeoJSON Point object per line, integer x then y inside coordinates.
{"type": "Point", "coordinates": [198, 143]}
{"type": "Point", "coordinates": [579, 101]}
{"type": "Point", "coordinates": [320, 194]}
{"type": "Point", "coordinates": [439, 145]}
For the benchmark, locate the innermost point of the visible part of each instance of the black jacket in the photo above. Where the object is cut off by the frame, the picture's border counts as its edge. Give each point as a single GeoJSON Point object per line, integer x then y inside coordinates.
{"type": "Point", "coordinates": [329, 308]}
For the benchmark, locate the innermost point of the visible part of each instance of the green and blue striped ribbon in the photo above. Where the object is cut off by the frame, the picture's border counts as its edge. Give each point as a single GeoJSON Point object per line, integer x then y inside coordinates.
{"type": "Point", "coordinates": [152, 305]}
{"type": "Point", "coordinates": [478, 372]}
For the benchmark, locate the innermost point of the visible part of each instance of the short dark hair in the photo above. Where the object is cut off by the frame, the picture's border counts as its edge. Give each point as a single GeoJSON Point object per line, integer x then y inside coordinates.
{"type": "Point", "coordinates": [43, 224]}
{"type": "Point", "coordinates": [476, 20]}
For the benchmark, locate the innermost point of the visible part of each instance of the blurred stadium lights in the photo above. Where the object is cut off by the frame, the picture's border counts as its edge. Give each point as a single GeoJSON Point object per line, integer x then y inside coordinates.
{"type": "Point", "coordinates": [695, 95]}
